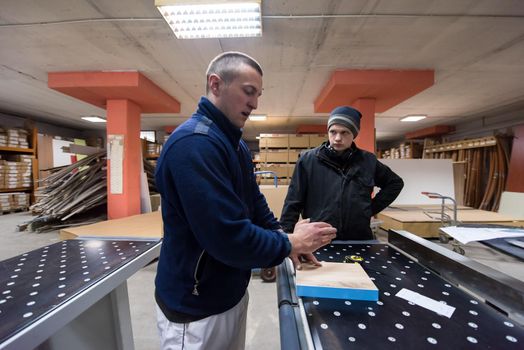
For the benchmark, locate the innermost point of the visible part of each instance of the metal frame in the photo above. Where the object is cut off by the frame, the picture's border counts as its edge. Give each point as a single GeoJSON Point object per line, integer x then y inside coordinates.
{"type": "Point", "coordinates": [112, 284]}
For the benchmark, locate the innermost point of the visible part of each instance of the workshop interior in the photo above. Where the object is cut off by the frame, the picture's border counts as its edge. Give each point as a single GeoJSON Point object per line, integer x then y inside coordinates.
{"type": "Point", "coordinates": [92, 90]}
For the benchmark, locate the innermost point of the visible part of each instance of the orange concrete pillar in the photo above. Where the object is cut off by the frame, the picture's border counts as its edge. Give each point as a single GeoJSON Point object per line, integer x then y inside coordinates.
{"type": "Point", "coordinates": [371, 91]}
{"type": "Point", "coordinates": [366, 136]}
{"type": "Point", "coordinates": [123, 118]}
{"type": "Point", "coordinates": [125, 95]}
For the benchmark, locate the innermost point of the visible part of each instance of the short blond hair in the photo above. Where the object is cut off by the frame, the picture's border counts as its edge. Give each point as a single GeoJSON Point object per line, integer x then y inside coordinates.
{"type": "Point", "coordinates": [226, 66]}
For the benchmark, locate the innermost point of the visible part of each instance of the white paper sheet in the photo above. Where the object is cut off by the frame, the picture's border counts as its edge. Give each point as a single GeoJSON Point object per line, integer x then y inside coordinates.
{"type": "Point", "coordinates": [116, 157]}
{"type": "Point", "coordinates": [470, 234]}
{"type": "Point", "coordinates": [425, 302]}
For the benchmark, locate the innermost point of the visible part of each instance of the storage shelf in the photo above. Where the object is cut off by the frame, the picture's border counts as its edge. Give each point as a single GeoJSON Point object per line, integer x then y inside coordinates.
{"type": "Point", "coordinates": [32, 140]}
{"type": "Point", "coordinates": [466, 144]}
{"type": "Point", "coordinates": [17, 150]}
{"type": "Point", "coordinates": [19, 189]}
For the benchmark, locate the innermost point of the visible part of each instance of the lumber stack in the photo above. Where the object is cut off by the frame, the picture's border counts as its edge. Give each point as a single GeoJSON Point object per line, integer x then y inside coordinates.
{"type": "Point", "coordinates": [486, 160]}
{"type": "Point", "coordinates": [71, 195]}
{"type": "Point", "coordinates": [75, 194]}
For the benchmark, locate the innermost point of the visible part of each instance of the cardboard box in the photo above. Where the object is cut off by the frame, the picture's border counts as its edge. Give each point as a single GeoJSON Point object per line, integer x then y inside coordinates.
{"type": "Point", "coordinates": [317, 140]}
{"type": "Point", "coordinates": [280, 170]}
{"type": "Point", "coordinates": [274, 156]}
{"type": "Point", "coordinates": [298, 141]}
{"type": "Point", "coordinates": [293, 156]}
{"type": "Point", "coordinates": [277, 141]}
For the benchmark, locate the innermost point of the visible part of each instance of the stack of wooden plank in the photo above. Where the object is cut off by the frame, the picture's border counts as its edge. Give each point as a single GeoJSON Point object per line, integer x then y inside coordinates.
{"type": "Point", "coordinates": [70, 194]}
{"type": "Point", "coordinates": [486, 161]}
{"type": "Point", "coordinates": [75, 195]}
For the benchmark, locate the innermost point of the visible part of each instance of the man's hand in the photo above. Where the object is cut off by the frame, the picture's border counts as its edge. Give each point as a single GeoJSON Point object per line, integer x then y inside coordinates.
{"type": "Point", "coordinates": [298, 260]}
{"type": "Point", "coordinates": [308, 237]}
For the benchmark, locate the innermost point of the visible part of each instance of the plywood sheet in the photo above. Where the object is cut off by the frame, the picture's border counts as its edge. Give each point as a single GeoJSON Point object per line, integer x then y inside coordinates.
{"type": "Point", "coordinates": [275, 197]}
{"type": "Point", "coordinates": [335, 280]}
{"type": "Point", "coordinates": [137, 226]}
{"type": "Point", "coordinates": [433, 215]}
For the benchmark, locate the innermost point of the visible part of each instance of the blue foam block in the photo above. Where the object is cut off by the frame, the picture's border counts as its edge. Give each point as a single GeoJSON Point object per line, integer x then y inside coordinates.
{"type": "Point", "coordinates": [337, 293]}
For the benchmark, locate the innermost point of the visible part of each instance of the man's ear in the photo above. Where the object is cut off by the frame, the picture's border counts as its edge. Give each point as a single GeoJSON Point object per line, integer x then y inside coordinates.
{"type": "Point", "coordinates": [214, 84]}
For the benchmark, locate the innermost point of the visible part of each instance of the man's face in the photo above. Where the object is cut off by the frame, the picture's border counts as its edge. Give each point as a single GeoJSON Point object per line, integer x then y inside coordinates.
{"type": "Point", "coordinates": [238, 98]}
{"type": "Point", "coordinates": [340, 137]}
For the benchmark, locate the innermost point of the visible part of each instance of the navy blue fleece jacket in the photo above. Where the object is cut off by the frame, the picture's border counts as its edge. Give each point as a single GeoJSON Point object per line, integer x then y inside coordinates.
{"type": "Point", "coordinates": [217, 225]}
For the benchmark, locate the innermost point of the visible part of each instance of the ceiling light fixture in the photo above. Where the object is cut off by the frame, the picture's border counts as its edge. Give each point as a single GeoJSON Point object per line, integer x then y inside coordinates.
{"type": "Point", "coordinates": [198, 19]}
{"type": "Point", "coordinates": [413, 118]}
{"type": "Point", "coordinates": [94, 119]}
{"type": "Point", "coordinates": [258, 118]}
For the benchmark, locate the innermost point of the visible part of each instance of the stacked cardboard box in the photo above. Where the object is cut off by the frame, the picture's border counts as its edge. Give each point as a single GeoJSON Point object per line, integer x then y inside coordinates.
{"type": "Point", "coordinates": [279, 153]}
{"type": "Point", "coordinates": [3, 137]}
{"type": "Point", "coordinates": [16, 172]}
{"type": "Point", "coordinates": [13, 201]}
{"type": "Point", "coordinates": [17, 138]}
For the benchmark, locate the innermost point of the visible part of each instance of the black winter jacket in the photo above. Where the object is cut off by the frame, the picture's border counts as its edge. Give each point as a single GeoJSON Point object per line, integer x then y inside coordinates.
{"type": "Point", "coordinates": [338, 191]}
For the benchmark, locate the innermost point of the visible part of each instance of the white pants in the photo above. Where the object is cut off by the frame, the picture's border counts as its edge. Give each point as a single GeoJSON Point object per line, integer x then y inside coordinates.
{"type": "Point", "coordinates": [223, 331]}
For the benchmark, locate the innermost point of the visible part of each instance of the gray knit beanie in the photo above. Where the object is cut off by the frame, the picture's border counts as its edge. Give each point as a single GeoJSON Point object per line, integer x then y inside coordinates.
{"type": "Point", "coordinates": [346, 116]}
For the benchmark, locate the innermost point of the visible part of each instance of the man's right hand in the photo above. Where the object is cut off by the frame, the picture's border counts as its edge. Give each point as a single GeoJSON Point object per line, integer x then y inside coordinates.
{"type": "Point", "coordinates": [309, 236]}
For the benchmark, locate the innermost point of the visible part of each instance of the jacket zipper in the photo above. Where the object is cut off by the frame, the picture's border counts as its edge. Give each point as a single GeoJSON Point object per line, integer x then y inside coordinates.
{"type": "Point", "coordinates": [195, 275]}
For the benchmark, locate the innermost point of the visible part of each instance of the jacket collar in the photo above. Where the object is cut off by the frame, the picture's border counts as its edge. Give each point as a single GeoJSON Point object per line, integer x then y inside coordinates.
{"type": "Point", "coordinates": [209, 110]}
{"type": "Point", "coordinates": [337, 160]}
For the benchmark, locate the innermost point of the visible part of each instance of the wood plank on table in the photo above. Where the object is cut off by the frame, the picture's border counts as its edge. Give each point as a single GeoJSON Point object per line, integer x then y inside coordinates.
{"type": "Point", "coordinates": [335, 280]}
{"type": "Point", "coordinates": [147, 225]}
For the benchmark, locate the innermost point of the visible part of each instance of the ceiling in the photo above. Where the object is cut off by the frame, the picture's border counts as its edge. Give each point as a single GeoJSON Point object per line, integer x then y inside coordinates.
{"type": "Point", "coordinates": [475, 47]}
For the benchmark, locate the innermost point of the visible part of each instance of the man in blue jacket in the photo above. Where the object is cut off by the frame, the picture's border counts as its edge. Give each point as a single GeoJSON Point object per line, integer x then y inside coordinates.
{"type": "Point", "coordinates": [217, 225]}
{"type": "Point", "coordinates": [334, 182]}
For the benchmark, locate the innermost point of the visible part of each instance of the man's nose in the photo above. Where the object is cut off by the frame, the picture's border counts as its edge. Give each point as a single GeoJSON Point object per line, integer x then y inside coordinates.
{"type": "Point", "coordinates": [253, 103]}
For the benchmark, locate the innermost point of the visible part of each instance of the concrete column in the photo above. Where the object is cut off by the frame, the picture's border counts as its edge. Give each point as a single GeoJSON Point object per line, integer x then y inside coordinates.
{"type": "Point", "coordinates": [366, 136]}
{"type": "Point", "coordinates": [123, 118]}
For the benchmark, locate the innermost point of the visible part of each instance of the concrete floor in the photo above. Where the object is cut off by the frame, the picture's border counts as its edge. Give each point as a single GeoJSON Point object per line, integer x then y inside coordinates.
{"type": "Point", "coordinates": [263, 326]}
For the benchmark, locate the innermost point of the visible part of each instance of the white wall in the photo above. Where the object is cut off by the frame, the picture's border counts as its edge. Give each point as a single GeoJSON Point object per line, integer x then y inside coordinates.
{"type": "Point", "coordinates": [422, 175]}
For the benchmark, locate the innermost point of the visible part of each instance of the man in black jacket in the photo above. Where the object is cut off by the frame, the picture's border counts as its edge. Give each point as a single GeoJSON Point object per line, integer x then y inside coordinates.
{"type": "Point", "coordinates": [334, 182]}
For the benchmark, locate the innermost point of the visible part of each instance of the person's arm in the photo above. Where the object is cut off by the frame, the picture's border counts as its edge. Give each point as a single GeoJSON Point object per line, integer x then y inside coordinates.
{"type": "Point", "coordinates": [390, 186]}
{"type": "Point", "coordinates": [218, 218]}
{"type": "Point", "coordinates": [263, 216]}
{"type": "Point", "coordinates": [294, 202]}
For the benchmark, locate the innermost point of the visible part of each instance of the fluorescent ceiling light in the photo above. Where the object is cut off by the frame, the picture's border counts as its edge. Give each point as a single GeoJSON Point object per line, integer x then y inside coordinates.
{"type": "Point", "coordinates": [258, 118]}
{"type": "Point", "coordinates": [94, 119]}
{"type": "Point", "coordinates": [197, 20]}
{"type": "Point", "coordinates": [413, 118]}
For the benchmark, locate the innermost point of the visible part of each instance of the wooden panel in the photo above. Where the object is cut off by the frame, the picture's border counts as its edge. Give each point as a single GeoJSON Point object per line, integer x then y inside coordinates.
{"type": "Point", "coordinates": [459, 180]}
{"type": "Point", "coordinates": [144, 225]}
{"type": "Point", "coordinates": [275, 197]}
{"type": "Point", "coordinates": [335, 280]}
{"type": "Point", "coordinates": [426, 222]}
{"type": "Point", "coordinates": [516, 164]}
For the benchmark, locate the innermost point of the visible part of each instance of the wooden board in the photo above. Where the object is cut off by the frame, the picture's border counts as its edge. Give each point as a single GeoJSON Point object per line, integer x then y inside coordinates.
{"type": "Point", "coordinates": [418, 222]}
{"type": "Point", "coordinates": [335, 280]}
{"type": "Point", "coordinates": [137, 226]}
{"type": "Point", "coordinates": [275, 197]}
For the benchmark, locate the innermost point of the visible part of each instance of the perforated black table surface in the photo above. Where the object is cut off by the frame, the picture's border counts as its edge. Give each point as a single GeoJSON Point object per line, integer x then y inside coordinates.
{"type": "Point", "coordinates": [34, 284]}
{"type": "Point", "coordinates": [395, 323]}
